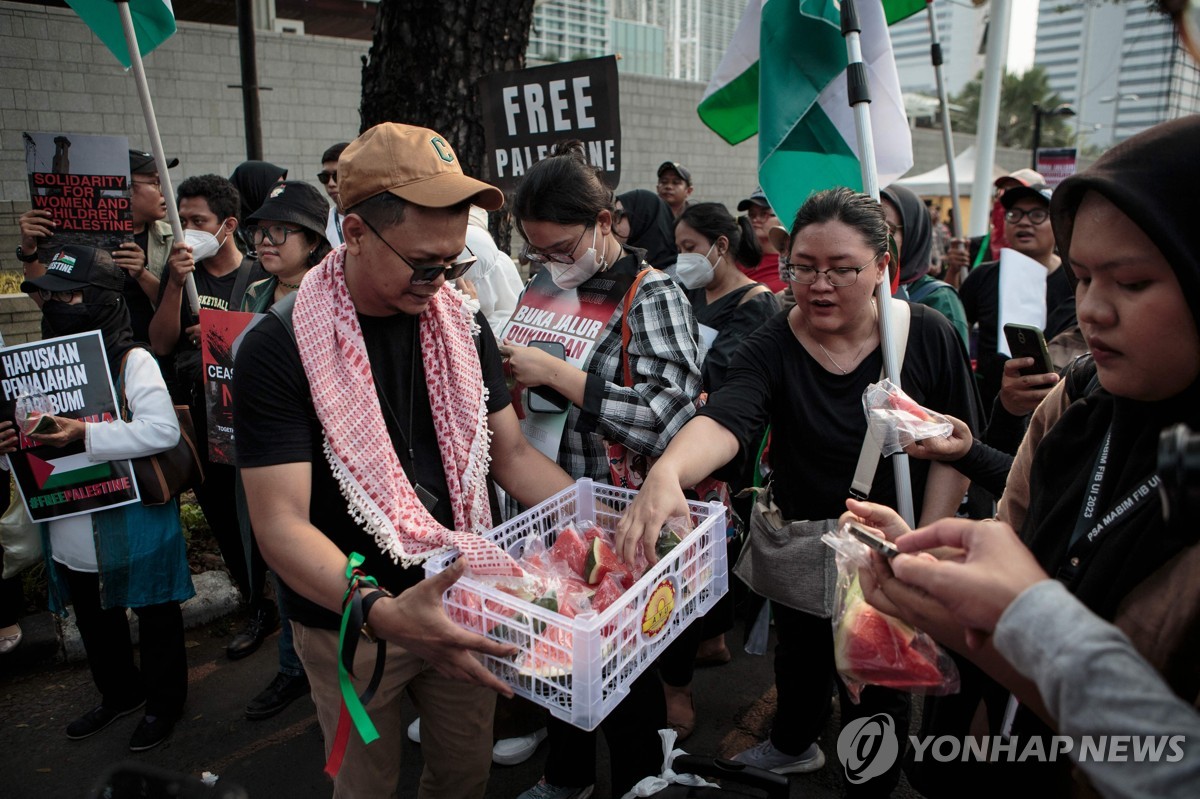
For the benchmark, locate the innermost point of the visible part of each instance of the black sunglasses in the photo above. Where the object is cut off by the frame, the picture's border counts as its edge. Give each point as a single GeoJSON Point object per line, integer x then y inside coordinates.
{"type": "Point", "coordinates": [325, 176]}
{"type": "Point", "coordinates": [424, 274]}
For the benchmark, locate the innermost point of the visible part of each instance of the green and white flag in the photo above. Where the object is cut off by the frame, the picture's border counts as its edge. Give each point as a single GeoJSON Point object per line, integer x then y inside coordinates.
{"type": "Point", "coordinates": [784, 77]}
{"type": "Point", "coordinates": [153, 23]}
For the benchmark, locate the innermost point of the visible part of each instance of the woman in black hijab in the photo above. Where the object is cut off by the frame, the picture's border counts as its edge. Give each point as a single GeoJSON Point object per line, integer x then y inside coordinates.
{"type": "Point", "coordinates": [1088, 467]}
{"type": "Point", "coordinates": [254, 181]}
{"type": "Point", "coordinates": [912, 229]}
{"type": "Point", "coordinates": [644, 221]}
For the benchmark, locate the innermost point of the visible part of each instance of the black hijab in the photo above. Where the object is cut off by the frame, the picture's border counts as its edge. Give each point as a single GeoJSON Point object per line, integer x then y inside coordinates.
{"type": "Point", "coordinates": [917, 248]}
{"type": "Point", "coordinates": [1145, 177]}
{"type": "Point", "coordinates": [253, 180]}
{"type": "Point", "coordinates": [651, 226]}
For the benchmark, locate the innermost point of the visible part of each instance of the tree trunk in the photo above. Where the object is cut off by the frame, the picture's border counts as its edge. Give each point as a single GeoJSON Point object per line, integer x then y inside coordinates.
{"type": "Point", "coordinates": [424, 65]}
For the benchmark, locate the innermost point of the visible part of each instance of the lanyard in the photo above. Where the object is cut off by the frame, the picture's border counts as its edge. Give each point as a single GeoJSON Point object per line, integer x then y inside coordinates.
{"type": "Point", "coordinates": [1088, 528]}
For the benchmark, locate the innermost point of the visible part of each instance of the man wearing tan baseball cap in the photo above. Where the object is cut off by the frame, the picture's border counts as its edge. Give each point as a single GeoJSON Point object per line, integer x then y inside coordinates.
{"type": "Point", "coordinates": [370, 407]}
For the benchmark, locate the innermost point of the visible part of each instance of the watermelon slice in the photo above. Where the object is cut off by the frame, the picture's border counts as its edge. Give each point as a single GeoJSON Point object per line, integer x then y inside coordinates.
{"type": "Point", "coordinates": [570, 551]}
{"type": "Point", "coordinates": [608, 592]}
{"type": "Point", "coordinates": [602, 560]}
{"type": "Point", "coordinates": [901, 402]}
{"type": "Point", "coordinates": [874, 648]}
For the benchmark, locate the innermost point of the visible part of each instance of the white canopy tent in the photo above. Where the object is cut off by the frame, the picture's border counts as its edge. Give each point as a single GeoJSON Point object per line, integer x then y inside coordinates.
{"type": "Point", "coordinates": [936, 182]}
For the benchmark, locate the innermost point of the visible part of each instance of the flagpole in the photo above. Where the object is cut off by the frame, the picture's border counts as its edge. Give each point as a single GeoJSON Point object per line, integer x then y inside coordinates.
{"type": "Point", "coordinates": [935, 54]}
{"type": "Point", "coordinates": [160, 158]}
{"type": "Point", "coordinates": [859, 91]}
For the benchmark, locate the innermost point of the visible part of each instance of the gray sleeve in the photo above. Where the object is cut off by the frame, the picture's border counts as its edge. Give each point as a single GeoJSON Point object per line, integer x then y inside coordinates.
{"type": "Point", "coordinates": [1096, 684]}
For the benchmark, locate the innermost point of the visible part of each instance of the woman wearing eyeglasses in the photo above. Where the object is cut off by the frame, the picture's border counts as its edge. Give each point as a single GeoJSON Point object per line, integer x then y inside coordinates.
{"type": "Point", "coordinates": [288, 233]}
{"type": "Point", "coordinates": [565, 213]}
{"type": "Point", "coordinates": [804, 373]}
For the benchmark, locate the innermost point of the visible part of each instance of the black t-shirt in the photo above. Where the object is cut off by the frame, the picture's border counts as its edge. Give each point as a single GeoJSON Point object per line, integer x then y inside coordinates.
{"type": "Point", "coordinates": [141, 310]}
{"type": "Point", "coordinates": [214, 292]}
{"type": "Point", "coordinates": [275, 423]}
{"type": "Point", "coordinates": [734, 318]}
{"type": "Point", "coordinates": [817, 419]}
{"type": "Point", "coordinates": [980, 295]}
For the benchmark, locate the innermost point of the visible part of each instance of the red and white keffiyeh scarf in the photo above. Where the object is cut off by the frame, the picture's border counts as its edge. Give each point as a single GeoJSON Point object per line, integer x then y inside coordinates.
{"type": "Point", "coordinates": [357, 445]}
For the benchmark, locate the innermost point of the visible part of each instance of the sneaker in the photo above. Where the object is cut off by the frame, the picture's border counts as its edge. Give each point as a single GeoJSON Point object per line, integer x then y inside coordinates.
{"type": "Point", "coordinates": [97, 719]}
{"type": "Point", "coordinates": [263, 621]}
{"type": "Point", "coordinates": [150, 732]}
{"type": "Point", "coordinates": [282, 691]}
{"type": "Point", "coordinates": [544, 790]}
{"type": "Point", "coordinates": [511, 751]}
{"type": "Point", "coordinates": [766, 756]}
{"type": "Point", "coordinates": [414, 731]}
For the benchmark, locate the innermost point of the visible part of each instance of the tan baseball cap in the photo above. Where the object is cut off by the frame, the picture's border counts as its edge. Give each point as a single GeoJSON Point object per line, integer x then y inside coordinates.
{"type": "Point", "coordinates": [415, 164]}
{"type": "Point", "coordinates": [1022, 177]}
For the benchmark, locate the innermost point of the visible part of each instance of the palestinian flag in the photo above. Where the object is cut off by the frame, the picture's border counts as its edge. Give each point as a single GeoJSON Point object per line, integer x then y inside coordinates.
{"type": "Point", "coordinates": [791, 53]}
{"type": "Point", "coordinates": [153, 24]}
{"type": "Point", "coordinates": [69, 470]}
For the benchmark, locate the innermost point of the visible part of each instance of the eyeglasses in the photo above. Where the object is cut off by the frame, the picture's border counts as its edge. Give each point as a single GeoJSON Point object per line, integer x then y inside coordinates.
{"type": "Point", "coordinates": [838, 276]}
{"type": "Point", "coordinates": [1036, 215]}
{"type": "Point", "coordinates": [538, 257]}
{"type": "Point", "coordinates": [325, 176]}
{"type": "Point", "coordinates": [424, 274]}
{"type": "Point", "coordinates": [273, 234]}
{"type": "Point", "coordinates": [155, 183]}
{"type": "Point", "coordinates": [58, 296]}
{"type": "Point", "coordinates": [893, 229]}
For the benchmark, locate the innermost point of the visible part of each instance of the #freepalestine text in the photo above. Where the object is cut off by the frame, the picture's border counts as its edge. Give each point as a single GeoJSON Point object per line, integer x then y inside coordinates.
{"type": "Point", "coordinates": [54, 370]}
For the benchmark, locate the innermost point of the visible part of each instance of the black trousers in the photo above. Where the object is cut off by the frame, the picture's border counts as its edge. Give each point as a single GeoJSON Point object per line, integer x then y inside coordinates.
{"type": "Point", "coordinates": [631, 730]}
{"type": "Point", "coordinates": [804, 675]}
{"type": "Point", "coordinates": [162, 678]}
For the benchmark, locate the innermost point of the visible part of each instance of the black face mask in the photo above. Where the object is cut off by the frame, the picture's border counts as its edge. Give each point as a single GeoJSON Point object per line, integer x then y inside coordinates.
{"type": "Point", "coordinates": [66, 319]}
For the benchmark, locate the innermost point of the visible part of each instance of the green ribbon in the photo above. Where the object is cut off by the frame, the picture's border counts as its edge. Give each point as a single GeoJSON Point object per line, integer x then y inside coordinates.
{"type": "Point", "coordinates": [358, 713]}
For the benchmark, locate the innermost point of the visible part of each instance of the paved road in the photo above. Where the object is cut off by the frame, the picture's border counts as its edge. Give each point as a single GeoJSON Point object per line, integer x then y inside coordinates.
{"type": "Point", "coordinates": [283, 756]}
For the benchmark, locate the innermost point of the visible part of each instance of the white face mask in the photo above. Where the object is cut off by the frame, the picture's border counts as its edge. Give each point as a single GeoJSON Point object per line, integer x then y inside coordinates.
{"type": "Point", "coordinates": [693, 270]}
{"type": "Point", "coordinates": [569, 276]}
{"type": "Point", "coordinates": [203, 244]}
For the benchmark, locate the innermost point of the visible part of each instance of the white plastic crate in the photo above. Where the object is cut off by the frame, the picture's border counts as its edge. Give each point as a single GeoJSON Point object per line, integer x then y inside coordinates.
{"type": "Point", "coordinates": [606, 651]}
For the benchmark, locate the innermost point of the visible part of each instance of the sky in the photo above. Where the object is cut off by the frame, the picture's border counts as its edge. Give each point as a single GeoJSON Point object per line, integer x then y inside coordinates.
{"type": "Point", "coordinates": [1022, 35]}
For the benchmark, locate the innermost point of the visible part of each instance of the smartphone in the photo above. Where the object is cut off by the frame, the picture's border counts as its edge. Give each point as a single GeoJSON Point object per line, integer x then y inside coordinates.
{"type": "Point", "coordinates": [544, 399]}
{"type": "Point", "coordinates": [1027, 341]}
{"type": "Point", "coordinates": [880, 545]}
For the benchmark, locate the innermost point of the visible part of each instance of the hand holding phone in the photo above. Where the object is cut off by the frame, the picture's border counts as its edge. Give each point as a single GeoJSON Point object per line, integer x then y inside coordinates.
{"type": "Point", "coordinates": [873, 540]}
{"type": "Point", "coordinates": [1027, 341]}
{"type": "Point", "coordinates": [543, 399]}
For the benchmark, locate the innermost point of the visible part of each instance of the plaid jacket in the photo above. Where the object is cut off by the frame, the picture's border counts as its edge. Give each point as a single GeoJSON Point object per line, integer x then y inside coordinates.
{"type": "Point", "coordinates": [663, 359]}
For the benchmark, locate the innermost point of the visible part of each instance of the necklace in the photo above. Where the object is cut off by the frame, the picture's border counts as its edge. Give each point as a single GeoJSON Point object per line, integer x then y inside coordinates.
{"type": "Point", "coordinates": [284, 283]}
{"type": "Point", "coordinates": [835, 363]}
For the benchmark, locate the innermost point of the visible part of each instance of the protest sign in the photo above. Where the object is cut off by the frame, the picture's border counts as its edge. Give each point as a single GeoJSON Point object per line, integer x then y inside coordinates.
{"type": "Point", "coordinates": [576, 319]}
{"type": "Point", "coordinates": [1056, 164]}
{"type": "Point", "coordinates": [70, 372]}
{"type": "Point", "coordinates": [526, 112]}
{"type": "Point", "coordinates": [221, 333]}
{"type": "Point", "coordinates": [84, 182]}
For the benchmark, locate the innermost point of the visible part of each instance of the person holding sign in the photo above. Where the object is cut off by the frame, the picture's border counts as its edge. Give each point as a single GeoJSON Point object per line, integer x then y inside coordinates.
{"type": "Point", "coordinates": [565, 212]}
{"type": "Point", "coordinates": [131, 556]}
{"type": "Point", "coordinates": [368, 407]}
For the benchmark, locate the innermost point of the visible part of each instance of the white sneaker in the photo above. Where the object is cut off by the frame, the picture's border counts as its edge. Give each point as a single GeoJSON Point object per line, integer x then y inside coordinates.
{"type": "Point", "coordinates": [414, 731]}
{"type": "Point", "coordinates": [766, 756]}
{"type": "Point", "coordinates": [511, 751]}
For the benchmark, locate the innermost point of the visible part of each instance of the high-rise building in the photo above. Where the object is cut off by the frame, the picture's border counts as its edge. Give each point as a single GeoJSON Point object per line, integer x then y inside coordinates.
{"type": "Point", "coordinates": [683, 39]}
{"type": "Point", "coordinates": [960, 29]}
{"type": "Point", "coordinates": [1119, 65]}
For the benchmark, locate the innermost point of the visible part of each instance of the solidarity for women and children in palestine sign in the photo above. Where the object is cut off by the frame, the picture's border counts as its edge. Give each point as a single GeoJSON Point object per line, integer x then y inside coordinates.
{"type": "Point", "coordinates": [72, 372]}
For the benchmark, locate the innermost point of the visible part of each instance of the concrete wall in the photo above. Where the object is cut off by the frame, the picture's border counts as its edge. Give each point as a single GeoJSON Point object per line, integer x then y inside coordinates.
{"type": "Point", "coordinates": [20, 319]}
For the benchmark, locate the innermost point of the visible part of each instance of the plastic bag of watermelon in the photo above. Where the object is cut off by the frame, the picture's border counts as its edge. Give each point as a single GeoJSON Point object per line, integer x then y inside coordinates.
{"type": "Point", "coordinates": [873, 648]}
{"type": "Point", "coordinates": [895, 421]}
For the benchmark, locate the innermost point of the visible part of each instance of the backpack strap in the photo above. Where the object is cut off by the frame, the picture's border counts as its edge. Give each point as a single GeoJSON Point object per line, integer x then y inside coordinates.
{"type": "Point", "coordinates": [282, 311]}
{"type": "Point", "coordinates": [753, 291]}
{"type": "Point", "coordinates": [928, 288]}
{"type": "Point", "coordinates": [626, 332]}
{"type": "Point", "coordinates": [240, 284]}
